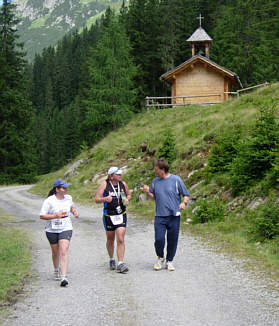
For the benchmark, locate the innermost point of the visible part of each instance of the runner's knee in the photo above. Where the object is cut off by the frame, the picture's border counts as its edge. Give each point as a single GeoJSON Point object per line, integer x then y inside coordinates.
{"type": "Point", "coordinates": [120, 241]}
{"type": "Point", "coordinates": [110, 242]}
{"type": "Point", "coordinates": [63, 252]}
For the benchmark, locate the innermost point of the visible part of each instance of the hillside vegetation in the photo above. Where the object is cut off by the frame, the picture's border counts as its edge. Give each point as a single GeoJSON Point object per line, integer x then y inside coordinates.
{"type": "Point", "coordinates": [237, 219]}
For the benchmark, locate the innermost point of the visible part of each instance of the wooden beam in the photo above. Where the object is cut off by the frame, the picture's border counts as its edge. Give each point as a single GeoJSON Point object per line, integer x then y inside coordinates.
{"type": "Point", "coordinates": [174, 90]}
{"type": "Point", "coordinates": [207, 49]}
{"type": "Point", "coordinates": [226, 89]}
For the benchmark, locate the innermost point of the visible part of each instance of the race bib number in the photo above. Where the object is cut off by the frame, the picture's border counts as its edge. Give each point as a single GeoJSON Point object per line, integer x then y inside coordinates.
{"type": "Point", "coordinates": [58, 224]}
{"type": "Point", "coordinates": [116, 219]}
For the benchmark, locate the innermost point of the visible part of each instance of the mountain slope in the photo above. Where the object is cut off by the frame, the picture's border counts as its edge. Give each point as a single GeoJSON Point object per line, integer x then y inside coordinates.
{"type": "Point", "coordinates": [135, 144]}
{"type": "Point", "coordinates": [44, 22]}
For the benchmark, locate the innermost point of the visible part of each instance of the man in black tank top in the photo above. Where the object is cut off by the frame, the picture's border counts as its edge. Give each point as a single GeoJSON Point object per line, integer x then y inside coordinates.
{"type": "Point", "coordinates": [115, 195]}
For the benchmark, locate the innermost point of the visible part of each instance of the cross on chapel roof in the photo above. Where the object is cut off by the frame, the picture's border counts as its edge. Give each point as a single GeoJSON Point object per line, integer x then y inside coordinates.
{"type": "Point", "coordinates": [200, 34]}
{"type": "Point", "coordinates": [200, 18]}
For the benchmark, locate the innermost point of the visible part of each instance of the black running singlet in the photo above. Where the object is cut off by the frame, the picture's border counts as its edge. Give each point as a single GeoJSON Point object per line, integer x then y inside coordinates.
{"type": "Point", "coordinates": [110, 208]}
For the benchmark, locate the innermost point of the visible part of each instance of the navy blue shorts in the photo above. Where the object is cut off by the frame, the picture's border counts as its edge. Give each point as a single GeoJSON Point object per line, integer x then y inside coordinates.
{"type": "Point", "coordinates": [109, 226]}
{"type": "Point", "coordinates": [53, 238]}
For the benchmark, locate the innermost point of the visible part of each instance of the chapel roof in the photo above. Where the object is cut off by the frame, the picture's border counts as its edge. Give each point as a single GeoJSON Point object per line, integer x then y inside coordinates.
{"type": "Point", "coordinates": [199, 35]}
{"type": "Point", "coordinates": [169, 74]}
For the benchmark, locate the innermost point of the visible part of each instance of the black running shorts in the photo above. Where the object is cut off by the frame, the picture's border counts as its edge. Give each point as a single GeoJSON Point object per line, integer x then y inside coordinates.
{"type": "Point", "coordinates": [53, 238]}
{"type": "Point", "coordinates": [109, 226]}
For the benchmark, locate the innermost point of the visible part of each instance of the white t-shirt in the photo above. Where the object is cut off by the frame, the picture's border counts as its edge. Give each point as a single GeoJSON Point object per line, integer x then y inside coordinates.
{"type": "Point", "coordinates": [52, 205]}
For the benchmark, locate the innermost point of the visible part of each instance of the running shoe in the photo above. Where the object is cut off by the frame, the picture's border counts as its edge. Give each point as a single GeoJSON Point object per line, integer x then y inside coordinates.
{"type": "Point", "coordinates": [170, 266]}
{"type": "Point", "coordinates": [56, 275]}
{"type": "Point", "coordinates": [112, 264]}
{"type": "Point", "coordinates": [122, 268]}
{"type": "Point", "coordinates": [159, 264]}
{"type": "Point", "coordinates": [64, 282]}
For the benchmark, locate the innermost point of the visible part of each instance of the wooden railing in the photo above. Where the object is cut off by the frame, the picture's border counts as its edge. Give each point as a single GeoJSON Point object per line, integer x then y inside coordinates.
{"type": "Point", "coordinates": [238, 92]}
{"type": "Point", "coordinates": [170, 101]}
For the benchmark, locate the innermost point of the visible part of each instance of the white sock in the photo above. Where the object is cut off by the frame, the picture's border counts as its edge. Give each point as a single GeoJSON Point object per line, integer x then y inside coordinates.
{"type": "Point", "coordinates": [120, 262]}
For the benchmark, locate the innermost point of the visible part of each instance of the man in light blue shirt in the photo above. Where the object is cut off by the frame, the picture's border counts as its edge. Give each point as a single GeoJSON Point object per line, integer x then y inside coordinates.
{"type": "Point", "coordinates": [166, 189]}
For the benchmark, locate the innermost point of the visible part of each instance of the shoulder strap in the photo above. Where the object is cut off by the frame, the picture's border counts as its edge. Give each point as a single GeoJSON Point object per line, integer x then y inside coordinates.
{"type": "Point", "coordinates": [122, 186]}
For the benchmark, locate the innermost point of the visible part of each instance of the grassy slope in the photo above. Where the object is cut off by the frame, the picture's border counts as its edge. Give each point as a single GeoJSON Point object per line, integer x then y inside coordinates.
{"type": "Point", "coordinates": [194, 128]}
{"type": "Point", "coordinates": [15, 261]}
{"type": "Point", "coordinates": [116, 6]}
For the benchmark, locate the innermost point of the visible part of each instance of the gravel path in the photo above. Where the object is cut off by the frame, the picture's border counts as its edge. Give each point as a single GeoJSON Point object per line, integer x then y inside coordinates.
{"type": "Point", "coordinates": [207, 289]}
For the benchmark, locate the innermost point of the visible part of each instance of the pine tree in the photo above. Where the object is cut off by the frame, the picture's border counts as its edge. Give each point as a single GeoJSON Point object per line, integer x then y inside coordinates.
{"type": "Point", "coordinates": [178, 22]}
{"type": "Point", "coordinates": [111, 95]}
{"type": "Point", "coordinates": [44, 141]}
{"type": "Point", "coordinates": [246, 40]}
{"type": "Point", "coordinates": [17, 141]}
{"type": "Point", "coordinates": [59, 83]}
{"type": "Point", "coordinates": [143, 25]}
{"type": "Point", "coordinates": [257, 153]}
{"type": "Point", "coordinates": [167, 149]}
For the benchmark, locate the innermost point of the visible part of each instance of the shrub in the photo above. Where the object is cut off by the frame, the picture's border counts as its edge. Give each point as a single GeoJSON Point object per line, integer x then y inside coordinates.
{"type": "Point", "coordinates": [256, 154]}
{"type": "Point", "coordinates": [224, 151]}
{"type": "Point", "coordinates": [274, 173]}
{"type": "Point", "coordinates": [84, 146]}
{"type": "Point", "coordinates": [167, 150]}
{"type": "Point", "coordinates": [265, 224]}
{"type": "Point", "coordinates": [209, 210]}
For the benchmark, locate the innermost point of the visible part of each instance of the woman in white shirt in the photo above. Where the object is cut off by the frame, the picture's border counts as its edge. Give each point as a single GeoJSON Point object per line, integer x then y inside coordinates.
{"type": "Point", "coordinates": [56, 211]}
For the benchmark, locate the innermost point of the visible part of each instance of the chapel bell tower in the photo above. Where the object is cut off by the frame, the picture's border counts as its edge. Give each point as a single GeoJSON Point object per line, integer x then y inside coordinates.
{"type": "Point", "coordinates": [200, 41]}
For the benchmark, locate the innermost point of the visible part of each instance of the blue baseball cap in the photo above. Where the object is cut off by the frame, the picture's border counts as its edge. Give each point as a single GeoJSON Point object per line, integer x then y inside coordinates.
{"type": "Point", "coordinates": [60, 183]}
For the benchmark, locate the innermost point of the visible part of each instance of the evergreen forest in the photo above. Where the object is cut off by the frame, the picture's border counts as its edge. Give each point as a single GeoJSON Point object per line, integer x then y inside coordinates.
{"type": "Point", "coordinates": [95, 81]}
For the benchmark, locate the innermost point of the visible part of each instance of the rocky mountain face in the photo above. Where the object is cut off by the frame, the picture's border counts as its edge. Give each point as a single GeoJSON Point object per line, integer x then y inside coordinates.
{"type": "Point", "coordinates": [44, 22]}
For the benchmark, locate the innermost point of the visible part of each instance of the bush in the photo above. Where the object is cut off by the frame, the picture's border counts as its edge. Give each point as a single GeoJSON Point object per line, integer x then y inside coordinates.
{"type": "Point", "coordinates": [167, 150]}
{"type": "Point", "coordinates": [265, 224]}
{"type": "Point", "coordinates": [209, 210]}
{"type": "Point", "coordinates": [256, 154]}
{"type": "Point", "coordinates": [274, 173]}
{"type": "Point", "coordinates": [224, 151]}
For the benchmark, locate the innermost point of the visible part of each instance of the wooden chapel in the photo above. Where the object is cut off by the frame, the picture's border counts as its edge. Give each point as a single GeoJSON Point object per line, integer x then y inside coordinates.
{"type": "Point", "coordinates": [200, 80]}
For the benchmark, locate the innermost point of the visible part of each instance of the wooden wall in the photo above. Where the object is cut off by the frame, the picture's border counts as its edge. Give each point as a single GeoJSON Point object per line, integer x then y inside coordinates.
{"type": "Point", "coordinates": [200, 79]}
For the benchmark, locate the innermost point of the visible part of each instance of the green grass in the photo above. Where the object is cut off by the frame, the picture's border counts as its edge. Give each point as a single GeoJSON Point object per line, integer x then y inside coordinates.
{"type": "Point", "coordinates": [15, 260]}
{"type": "Point", "coordinates": [231, 236]}
{"type": "Point", "coordinates": [39, 22]}
{"type": "Point", "coordinates": [195, 129]}
{"type": "Point", "coordinates": [116, 6]}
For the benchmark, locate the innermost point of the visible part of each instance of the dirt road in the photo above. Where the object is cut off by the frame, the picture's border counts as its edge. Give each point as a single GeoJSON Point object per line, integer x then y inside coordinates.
{"type": "Point", "coordinates": [207, 289]}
